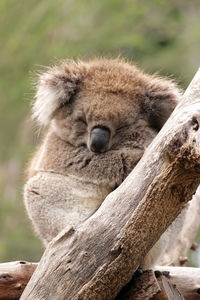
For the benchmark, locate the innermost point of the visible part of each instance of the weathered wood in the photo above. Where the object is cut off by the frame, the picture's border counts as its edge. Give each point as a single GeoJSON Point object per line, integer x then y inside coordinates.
{"type": "Point", "coordinates": [177, 255]}
{"type": "Point", "coordinates": [141, 287]}
{"type": "Point", "coordinates": [14, 277]}
{"type": "Point", "coordinates": [95, 260]}
{"type": "Point", "coordinates": [168, 290]}
{"type": "Point", "coordinates": [186, 279]}
{"type": "Point", "coordinates": [169, 283]}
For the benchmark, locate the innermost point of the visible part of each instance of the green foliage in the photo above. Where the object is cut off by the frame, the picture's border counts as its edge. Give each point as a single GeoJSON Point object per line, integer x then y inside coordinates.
{"type": "Point", "coordinates": [159, 35]}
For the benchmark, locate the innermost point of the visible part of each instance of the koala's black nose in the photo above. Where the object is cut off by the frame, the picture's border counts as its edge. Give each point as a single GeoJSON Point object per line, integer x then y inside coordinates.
{"type": "Point", "coordinates": [99, 139]}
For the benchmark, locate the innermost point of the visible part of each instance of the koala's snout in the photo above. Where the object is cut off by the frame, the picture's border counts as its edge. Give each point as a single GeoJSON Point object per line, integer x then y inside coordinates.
{"type": "Point", "coordinates": [99, 139]}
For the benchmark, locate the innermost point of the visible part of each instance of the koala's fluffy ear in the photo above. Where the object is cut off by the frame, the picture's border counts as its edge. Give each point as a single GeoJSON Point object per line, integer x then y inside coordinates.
{"type": "Point", "coordinates": [55, 88]}
{"type": "Point", "coordinates": [161, 98]}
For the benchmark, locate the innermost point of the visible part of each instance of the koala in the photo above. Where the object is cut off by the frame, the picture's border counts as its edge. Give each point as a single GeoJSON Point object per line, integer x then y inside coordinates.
{"type": "Point", "coordinates": [99, 116]}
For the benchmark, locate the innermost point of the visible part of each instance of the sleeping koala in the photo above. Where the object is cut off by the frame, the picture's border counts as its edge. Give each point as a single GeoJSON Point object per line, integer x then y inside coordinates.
{"type": "Point", "coordinates": [100, 117]}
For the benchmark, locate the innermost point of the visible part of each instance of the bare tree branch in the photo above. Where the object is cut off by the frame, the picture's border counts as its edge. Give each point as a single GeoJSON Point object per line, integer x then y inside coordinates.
{"type": "Point", "coordinates": [14, 277]}
{"type": "Point", "coordinates": [186, 279]}
{"type": "Point", "coordinates": [177, 255]}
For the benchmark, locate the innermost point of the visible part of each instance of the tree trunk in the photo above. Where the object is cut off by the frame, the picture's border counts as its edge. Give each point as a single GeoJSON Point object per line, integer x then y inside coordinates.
{"type": "Point", "coordinates": [96, 259]}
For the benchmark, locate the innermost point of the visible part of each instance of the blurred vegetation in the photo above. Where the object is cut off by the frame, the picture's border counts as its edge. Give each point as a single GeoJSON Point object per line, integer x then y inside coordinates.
{"type": "Point", "coordinates": [159, 35]}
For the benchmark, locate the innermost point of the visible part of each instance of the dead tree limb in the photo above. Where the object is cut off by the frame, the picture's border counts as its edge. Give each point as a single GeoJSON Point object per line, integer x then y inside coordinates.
{"type": "Point", "coordinates": [96, 259]}
{"type": "Point", "coordinates": [177, 255]}
{"type": "Point", "coordinates": [14, 277]}
{"type": "Point", "coordinates": [150, 285]}
{"type": "Point", "coordinates": [166, 284]}
{"type": "Point", "coordinates": [186, 279]}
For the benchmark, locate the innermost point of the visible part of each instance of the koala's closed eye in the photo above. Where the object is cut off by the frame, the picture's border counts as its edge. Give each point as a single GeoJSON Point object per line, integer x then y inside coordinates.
{"type": "Point", "coordinates": [81, 120]}
{"type": "Point", "coordinates": [122, 127]}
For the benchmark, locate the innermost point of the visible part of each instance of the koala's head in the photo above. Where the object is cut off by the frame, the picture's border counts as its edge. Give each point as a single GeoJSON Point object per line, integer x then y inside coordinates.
{"type": "Point", "coordinates": [102, 103]}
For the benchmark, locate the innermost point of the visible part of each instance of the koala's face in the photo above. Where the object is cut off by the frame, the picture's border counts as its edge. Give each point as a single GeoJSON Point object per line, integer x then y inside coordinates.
{"type": "Point", "coordinates": [104, 104]}
{"type": "Point", "coordinates": [100, 121]}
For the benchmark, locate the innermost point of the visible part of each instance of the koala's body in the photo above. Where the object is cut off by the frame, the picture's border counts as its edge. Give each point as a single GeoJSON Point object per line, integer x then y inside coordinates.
{"type": "Point", "coordinates": [100, 117]}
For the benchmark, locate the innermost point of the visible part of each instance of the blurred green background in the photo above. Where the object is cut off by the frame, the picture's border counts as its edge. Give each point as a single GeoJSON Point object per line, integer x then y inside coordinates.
{"type": "Point", "coordinates": [160, 35]}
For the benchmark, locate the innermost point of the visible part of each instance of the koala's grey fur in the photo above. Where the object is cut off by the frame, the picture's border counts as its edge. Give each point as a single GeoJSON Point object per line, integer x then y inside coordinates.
{"type": "Point", "coordinates": [68, 182]}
